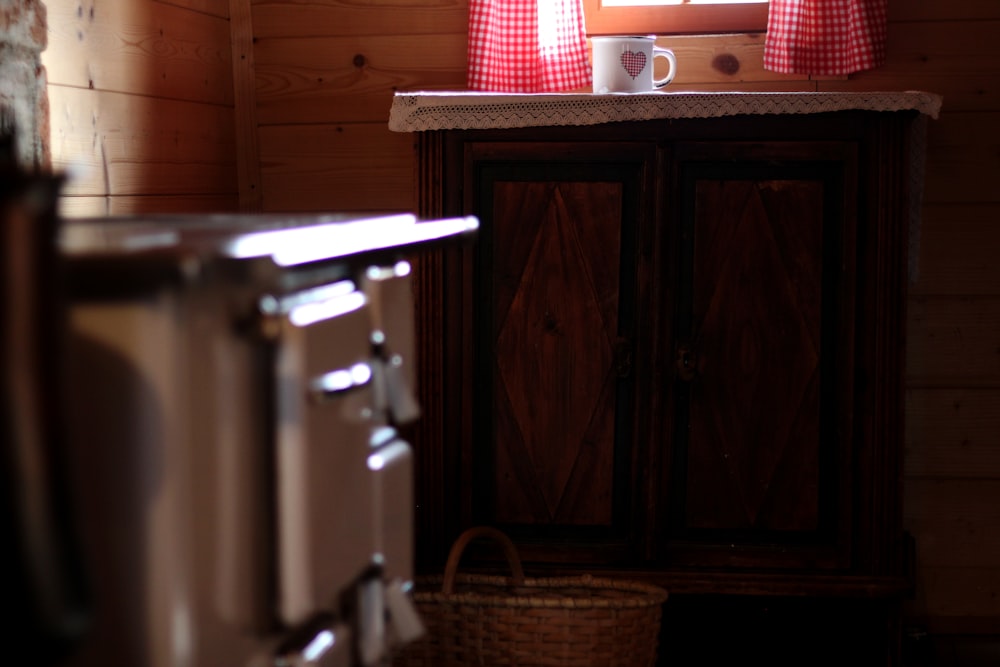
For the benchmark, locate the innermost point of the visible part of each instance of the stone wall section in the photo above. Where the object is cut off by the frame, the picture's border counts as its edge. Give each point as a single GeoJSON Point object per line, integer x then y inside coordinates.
{"type": "Point", "coordinates": [24, 112]}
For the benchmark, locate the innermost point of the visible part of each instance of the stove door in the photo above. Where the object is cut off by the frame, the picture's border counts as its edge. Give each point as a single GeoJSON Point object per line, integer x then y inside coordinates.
{"type": "Point", "coordinates": [390, 294]}
{"type": "Point", "coordinates": [325, 506]}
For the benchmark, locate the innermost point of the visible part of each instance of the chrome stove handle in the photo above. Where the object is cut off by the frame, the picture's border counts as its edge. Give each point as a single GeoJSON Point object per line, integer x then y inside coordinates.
{"type": "Point", "coordinates": [387, 618]}
{"type": "Point", "coordinates": [322, 643]}
{"type": "Point", "coordinates": [405, 625]}
{"type": "Point", "coordinates": [392, 394]}
{"type": "Point", "coordinates": [371, 639]}
{"type": "Point", "coordinates": [339, 382]}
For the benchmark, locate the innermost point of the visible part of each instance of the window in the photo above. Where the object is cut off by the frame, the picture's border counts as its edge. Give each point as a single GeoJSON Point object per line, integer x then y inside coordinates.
{"type": "Point", "coordinates": [698, 17]}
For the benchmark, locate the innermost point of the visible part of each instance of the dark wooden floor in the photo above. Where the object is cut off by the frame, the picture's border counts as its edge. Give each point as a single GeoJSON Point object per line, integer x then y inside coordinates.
{"type": "Point", "coordinates": [922, 650]}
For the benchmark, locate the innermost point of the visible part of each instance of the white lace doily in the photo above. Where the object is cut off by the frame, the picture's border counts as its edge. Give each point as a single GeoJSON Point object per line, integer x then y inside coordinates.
{"type": "Point", "coordinates": [418, 111]}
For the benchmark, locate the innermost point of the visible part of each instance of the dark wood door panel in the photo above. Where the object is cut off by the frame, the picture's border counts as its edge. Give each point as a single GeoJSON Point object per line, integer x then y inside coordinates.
{"type": "Point", "coordinates": [757, 448]}
{"type": "Point", "coordinates": [554, 453]}
{"type": "Point", "coordinates": [755, 410]}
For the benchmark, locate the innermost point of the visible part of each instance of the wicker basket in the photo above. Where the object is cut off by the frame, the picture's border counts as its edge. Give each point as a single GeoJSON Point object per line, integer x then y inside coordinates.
{"type": "Point", "coordinates": [488, 620]}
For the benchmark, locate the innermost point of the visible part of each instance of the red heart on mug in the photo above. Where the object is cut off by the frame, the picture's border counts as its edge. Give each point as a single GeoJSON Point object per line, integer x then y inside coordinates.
{"type": "Point", "coordinates": [633, 62]}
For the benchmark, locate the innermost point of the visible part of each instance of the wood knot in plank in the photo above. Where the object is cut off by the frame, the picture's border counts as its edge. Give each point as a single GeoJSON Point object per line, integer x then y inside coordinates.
{"type": "Point", "coordinates": [726, 63]}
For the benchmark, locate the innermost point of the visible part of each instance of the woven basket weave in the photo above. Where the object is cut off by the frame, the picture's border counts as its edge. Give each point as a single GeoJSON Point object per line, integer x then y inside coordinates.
{"type": "Point", "coordinates": [487, 621]}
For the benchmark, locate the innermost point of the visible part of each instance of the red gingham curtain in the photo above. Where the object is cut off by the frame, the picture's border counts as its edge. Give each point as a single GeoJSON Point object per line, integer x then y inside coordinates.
{"type": "Point", "coordinates": [830, 37]}
{"type": "Point", "coordinates": [527, 46]}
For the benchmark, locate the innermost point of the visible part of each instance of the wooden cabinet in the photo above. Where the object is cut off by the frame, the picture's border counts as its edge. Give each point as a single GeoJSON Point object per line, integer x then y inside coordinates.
{"type": "Point", "coordinates": [675, 353]}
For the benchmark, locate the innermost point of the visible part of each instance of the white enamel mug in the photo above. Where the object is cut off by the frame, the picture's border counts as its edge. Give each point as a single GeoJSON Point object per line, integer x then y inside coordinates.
{"type": "Point", "coordinates": [624, 64]}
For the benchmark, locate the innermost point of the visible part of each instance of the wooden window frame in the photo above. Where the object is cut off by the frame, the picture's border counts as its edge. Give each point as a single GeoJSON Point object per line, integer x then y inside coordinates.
{"type": "Point", "coordinates": [686, 19]}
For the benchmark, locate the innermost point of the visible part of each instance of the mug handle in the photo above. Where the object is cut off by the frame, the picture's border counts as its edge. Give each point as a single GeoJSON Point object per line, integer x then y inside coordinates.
{"type": "Point", "coordinates": [672, 59]}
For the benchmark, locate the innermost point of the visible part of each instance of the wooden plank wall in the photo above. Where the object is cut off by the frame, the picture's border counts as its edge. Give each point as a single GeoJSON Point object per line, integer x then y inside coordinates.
{"type": "Point", "coordinates": [326, 71]}
{"type": "Point", "coordinates": [141, 105]}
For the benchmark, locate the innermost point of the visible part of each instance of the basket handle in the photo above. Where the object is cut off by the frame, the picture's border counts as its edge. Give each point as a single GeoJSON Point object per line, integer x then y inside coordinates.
{"type": "Point", "coordinates": [455, 555]}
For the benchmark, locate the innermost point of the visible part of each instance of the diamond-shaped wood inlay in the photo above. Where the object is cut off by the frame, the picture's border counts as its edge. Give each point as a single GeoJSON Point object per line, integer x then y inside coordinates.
{"type": "Point", "coordinates": [755, 410]}
{"type": "Point", "coordinates": [554, 397]}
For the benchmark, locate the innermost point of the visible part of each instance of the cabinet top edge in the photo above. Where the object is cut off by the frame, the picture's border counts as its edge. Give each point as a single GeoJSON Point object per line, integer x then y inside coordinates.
{"type": "Point", "coordinates": [442, 110]}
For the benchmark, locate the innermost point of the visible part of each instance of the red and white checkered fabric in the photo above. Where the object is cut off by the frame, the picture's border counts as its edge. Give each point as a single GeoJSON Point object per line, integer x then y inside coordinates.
{"type": "Point", "coordinates": [830, 37]}
{"type": "Point", "coordinates": [527, 46]}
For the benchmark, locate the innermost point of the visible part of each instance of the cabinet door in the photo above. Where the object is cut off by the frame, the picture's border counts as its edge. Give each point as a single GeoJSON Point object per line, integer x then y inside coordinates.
{"type": "Point", "coordinates": [557, 307]}
{"type": "Point", "coordinates": [761, 449]}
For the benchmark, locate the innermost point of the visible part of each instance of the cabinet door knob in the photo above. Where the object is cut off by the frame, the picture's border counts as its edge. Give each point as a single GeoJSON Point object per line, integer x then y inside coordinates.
{"type": "Point", "coordinates": [686, 362]}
